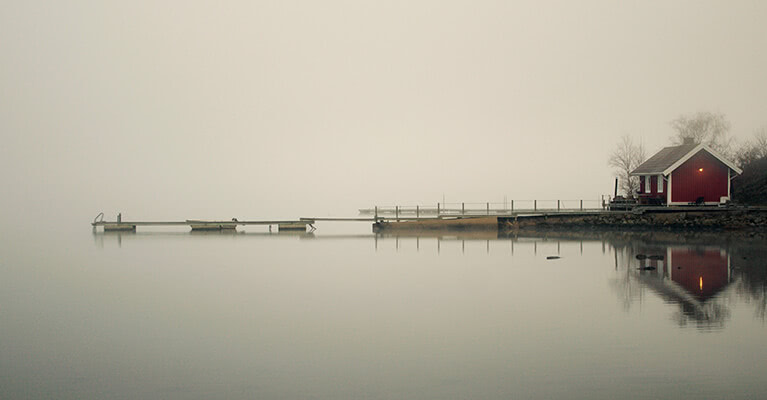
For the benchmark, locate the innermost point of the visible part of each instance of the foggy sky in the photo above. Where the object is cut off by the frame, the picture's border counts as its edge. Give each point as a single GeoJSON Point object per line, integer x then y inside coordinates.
{"type": "Point", "coordinates": [191, 109]}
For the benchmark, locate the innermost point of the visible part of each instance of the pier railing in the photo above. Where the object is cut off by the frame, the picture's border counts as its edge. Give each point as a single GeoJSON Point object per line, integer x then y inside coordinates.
{"type": "Point", "coordinates": [512, 207]}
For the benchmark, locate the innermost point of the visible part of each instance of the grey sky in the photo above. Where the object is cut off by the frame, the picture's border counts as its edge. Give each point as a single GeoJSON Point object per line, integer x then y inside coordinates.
{"type": "Point", "coordinates": [196, 109]}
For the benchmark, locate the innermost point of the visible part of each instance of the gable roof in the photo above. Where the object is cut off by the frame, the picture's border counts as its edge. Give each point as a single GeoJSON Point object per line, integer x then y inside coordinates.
{"type": "Point", "coordinates": [670, 158]}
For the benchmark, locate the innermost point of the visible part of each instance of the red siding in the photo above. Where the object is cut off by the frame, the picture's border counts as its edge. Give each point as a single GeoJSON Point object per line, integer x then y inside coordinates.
{"type": "Point", "coordinates": [689, 183]}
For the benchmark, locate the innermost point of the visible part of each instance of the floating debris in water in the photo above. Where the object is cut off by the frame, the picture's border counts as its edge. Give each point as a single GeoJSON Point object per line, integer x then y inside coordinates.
{"type": "Point", "coordinates": [553, 257]}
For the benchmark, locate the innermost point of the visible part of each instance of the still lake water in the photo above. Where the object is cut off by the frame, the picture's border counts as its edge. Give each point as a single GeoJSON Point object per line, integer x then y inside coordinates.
{"type": "Point", "coordinates": [344, 313]}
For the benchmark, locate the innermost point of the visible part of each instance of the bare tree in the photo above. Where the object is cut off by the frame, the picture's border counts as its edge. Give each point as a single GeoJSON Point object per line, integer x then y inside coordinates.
{"type": "Point", "coordinates": [625, 158]}
{"type": "Point", "coordinates": [753, 149]}
{"type": "Point", "coordinates": [712, 129]}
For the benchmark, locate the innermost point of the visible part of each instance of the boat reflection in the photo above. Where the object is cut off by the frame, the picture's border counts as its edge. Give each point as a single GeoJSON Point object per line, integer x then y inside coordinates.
{"type": "Point", "coordinates": [99, 237]}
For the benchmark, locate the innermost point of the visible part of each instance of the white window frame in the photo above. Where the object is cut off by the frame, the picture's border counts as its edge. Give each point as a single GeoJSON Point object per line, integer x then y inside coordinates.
{"type": "Point", "coordinates": [660, 183]}
{"type": "Point", "coordinates": [647, 183]}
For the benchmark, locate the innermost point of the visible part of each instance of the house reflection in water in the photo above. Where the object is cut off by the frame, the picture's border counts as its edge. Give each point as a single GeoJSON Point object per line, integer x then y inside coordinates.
{"type": "Point", "coordinates": [702, 272]}
{"type": "Point", "coordinates": [691, 276]}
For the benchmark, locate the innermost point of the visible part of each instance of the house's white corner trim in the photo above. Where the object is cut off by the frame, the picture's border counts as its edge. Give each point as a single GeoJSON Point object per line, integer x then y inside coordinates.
{"type": "Point", "coordinates": [729, 178]}
{"type": "Point", "coordinates": [668, 191]}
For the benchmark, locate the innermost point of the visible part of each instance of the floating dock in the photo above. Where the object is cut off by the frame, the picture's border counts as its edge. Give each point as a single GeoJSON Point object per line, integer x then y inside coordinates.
{"type": "Point", "coordinates": [204, 225]}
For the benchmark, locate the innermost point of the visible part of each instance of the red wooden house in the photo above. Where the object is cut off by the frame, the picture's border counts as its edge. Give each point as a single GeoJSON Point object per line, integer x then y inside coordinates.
{"type": "Point", "coordinates": [686, 174]}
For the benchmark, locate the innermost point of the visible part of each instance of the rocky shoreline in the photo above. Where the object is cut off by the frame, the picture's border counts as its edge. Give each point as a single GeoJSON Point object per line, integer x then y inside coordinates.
{"type": "Point", "coordinates": [720, 220]}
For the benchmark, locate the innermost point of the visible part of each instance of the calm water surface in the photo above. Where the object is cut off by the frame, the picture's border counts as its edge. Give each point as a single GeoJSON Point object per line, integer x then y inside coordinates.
{"type": "Point", "coordinates": [344, 313]}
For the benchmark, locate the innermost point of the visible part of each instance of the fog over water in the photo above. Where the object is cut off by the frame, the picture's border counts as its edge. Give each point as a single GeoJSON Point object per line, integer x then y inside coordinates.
{"type": "Point", "coordinates": [263, 109]}
{"type": "Point", "coordinates": [344, 313]}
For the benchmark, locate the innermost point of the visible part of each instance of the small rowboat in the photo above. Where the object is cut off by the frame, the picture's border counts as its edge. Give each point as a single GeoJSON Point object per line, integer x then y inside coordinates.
{"type": "Point", "coordinates": [201, 225]}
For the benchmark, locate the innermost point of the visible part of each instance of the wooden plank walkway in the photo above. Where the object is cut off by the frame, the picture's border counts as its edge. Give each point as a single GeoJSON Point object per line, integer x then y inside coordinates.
{"type": "Point", "coordinates": [212, 222]}
{"type": "Point", "coordinates": [203, 225]}
{"type": "Point", "coordinates": [304, 222]}
{"type": "Point", "coordinates": [299, 224]}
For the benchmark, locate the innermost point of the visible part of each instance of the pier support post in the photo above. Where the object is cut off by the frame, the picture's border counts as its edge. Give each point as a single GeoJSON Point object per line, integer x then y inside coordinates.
{"type": "Point", "coordinates": [512, 206]}
{"type": "Point", "coordinates": [581, 205]}
{"type": "Point", "coordinates": [437, 210]}
{"type": "Point", "coordinates": [463, 208]}
{"type": "Point", "coordinates": [488, 208]}
{"type": "Point", "coordinates": [396, 213]}
{"type": "Point", "coordinates": [557, 205]}
{"type": "Point", "coordinates": [417, 211]}
{"type": "Point", "coordinates": [535, 205]}
{"type": "Point", "coordinates": [376, 213]}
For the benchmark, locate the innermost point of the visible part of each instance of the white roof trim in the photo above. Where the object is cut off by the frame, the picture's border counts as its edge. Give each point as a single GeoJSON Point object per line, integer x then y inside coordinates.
{"type": "Point", "coordinates": [695, 151]}
{"type": "Point", "coordinates": [648, 173]}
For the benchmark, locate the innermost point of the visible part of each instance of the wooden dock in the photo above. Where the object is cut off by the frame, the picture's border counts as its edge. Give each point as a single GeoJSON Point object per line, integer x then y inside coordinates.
{"type": "Point", "coordinates": [205, 225]}
{"type": "Point", "coordinates": [301, 224]}
{"type": "Point", "coordinates": [513, 207]}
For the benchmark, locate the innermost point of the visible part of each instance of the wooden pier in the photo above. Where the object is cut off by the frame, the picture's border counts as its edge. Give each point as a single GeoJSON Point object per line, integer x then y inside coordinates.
{"type": "Point", "coordinates": [204, 225]}
{"type": "Point", "coordinates": [458, 220]}
{"type": "Point", "coordinates": [512, 207]}
{"type": "Point", "coordinates": [442, 215]}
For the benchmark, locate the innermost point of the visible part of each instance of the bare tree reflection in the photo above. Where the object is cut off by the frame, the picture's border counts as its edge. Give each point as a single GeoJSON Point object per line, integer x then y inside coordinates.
{"type": "Point", "coordinates": [749, 267]}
